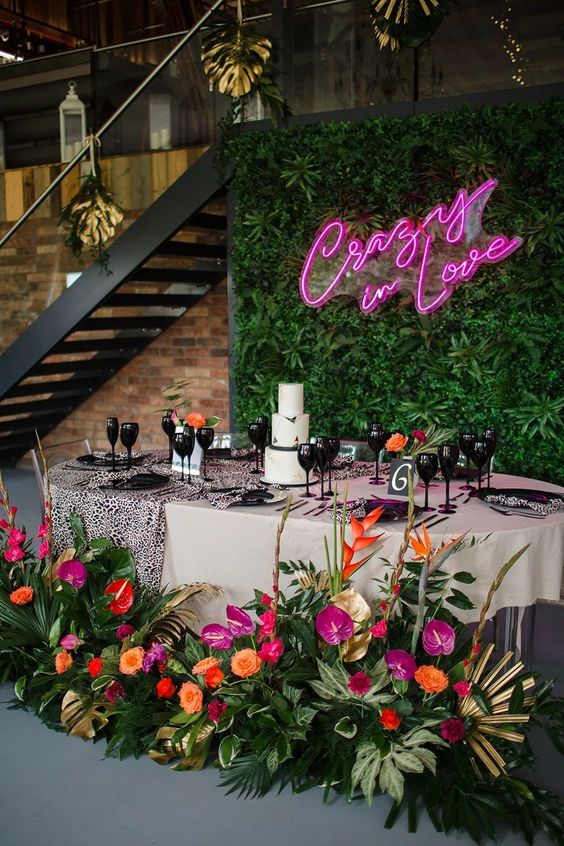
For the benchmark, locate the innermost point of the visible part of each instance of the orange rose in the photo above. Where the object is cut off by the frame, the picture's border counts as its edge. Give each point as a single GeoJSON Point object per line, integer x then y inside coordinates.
{"type": "Point", "coordinates": [21, 596]}
{"type": "Point", "coordinates": [431, 679]}
{"type": "Point", "coordinates": [396, 442]}
{"type": "Point", "coordinates": [191, 698]}
{"type": "Point", "coordinates": [390, 719]}
{"type": "Point", "coordinates": [196, 419]}
{"type": "Point", "coordinates": [63, 662]}
{"type": "Point", "coordinates": [214, 677]}
{"type": "Point", "coordinates": [245, 663]}
{"type": "Point", "coordinates": [131, 661]}
{"type": "Point", "coordinates": [201, 668]}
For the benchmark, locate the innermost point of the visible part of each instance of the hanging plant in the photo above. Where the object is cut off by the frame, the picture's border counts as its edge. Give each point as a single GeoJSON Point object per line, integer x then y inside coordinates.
{"type": "Point", "coordinates": [236, 61]}
{"type": "Point", "coordinates": [91, 217]}
{"type": "Point", "coordinates": [405, 23]}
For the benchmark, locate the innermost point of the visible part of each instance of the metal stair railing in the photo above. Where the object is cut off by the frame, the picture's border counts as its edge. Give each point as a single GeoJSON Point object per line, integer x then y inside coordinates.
{"type": "Point", "coordinates": [113, 118]}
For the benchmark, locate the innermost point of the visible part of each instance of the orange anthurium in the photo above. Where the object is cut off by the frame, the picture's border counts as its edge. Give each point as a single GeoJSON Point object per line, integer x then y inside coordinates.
{"type": "Point", "coordinates": [421, 545]}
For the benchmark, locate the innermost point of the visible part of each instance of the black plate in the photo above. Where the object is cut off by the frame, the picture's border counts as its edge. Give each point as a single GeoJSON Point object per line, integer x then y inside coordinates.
{"type": "Point", "coordinates": [521, 493]}
{"type": "Point", "coordinates": [394, 509]}
{"type": "Point", "coordinates": [139, 482]}
{"type": "Point", "coordinates": [103, 462]}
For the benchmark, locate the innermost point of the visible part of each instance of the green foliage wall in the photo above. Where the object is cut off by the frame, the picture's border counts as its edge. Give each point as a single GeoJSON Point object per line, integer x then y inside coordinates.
{"type": "Point", "coordinates": [491, 356]}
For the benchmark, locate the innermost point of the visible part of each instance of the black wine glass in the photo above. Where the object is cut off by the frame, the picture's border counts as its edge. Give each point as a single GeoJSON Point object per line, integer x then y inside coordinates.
{"type": "Point", "coordinates": [112, 431]}
{"type": "Point", "coordinates": [261, 443]}
{"type": "Point", "coordinates": [333, 449]}
{"type": "Point", "coordinates": [322, 463]}
{"type": "Point", "coordinates": [307, 459]}
{"type": "Point", "coordinates": [490, 437]}
{"type": "Point", "coordinates": [448, 457]}
{"type": "Point", "coordinates": [180, 449]}
{"type": "Point", "coordinates": [205, 436]}
{"type": "Point", "coordinates": [479, 455]}
{"type": "Point", "coordinates": [169, 428]}
{"type": "Point", "coordinates": [255, 433]}
{"type": "Point", "coordinates": [189, 444]}
{"type": "Point", "coordinates": [427, 465]}
{"type": "Point", "coordinates": [376, 438]}
{"type": "Point", "coordinates": [128, 433]}
{"type": "Point", "coordinates": [264, 422]}
{"type": "Point", "coordinates": [466, 441]}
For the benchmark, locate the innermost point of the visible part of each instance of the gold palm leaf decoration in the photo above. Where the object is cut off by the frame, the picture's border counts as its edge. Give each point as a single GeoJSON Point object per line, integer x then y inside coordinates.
{"type": "Point", "coordinates": [234, 56]}
{"type": "Point", "coordinates": [319, 581]}
{"type": "Point", "coordinates": [81, 719]}
{"type": "Point", "coordinates": [176, 617]}
{"type": "Point", "coordinates": [168, 750]}
{"type": "Point", "coordinates": [497, 688]}
{"type": "Point", "coordinates": [398, 23]}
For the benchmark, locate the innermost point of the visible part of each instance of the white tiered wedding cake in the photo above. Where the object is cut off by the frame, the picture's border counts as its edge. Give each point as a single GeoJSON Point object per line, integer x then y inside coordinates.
{"type": "Point", "coordinates": [290, 427]}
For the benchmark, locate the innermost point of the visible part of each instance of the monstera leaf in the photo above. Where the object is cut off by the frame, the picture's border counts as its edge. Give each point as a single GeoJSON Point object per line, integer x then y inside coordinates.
{"type": "Point", "coordinates": [176, 617]}
{"type": "Point", "coordinates": [405, 23]}
{"type": "Point", "coordinates": [234, 57]}
{"type": "Point", "coordinates": [80, 718]}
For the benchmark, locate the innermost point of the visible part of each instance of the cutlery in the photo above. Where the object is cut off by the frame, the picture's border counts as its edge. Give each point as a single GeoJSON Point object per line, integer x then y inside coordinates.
{"type": "Point", "coordinates": [294, 505]}
{"type": "Point", "coordinates": [319, 509]}
{"type": "Point", "coordinates": [517, 513]}
{"type": "Point", "coordinates": [436, 522]}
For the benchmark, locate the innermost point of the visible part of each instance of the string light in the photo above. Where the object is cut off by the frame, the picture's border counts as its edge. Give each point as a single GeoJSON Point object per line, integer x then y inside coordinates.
{"type": "Point", "coordinates": [511, 46]}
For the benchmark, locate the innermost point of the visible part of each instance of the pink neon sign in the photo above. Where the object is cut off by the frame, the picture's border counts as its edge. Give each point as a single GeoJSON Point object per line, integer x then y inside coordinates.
{"type": "Point", "coordinates": [432, 258]}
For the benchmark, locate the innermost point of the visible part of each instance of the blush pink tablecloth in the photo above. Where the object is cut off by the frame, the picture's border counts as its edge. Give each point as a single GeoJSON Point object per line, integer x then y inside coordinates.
{"type": "Point", "coordinates": [235, 548]}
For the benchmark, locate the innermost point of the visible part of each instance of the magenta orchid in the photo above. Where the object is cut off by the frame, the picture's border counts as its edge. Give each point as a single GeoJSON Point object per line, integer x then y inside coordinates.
{"type": "Point", "coordinates": [239, 622]}
{"type": "Point", "coordinates": [438, 638]}
{"type": "Point", "coordinates": [217, 636]}
{"type": "Point", "coordinates": [334, 625]}
{"type": "Point", "coordinates": [401, 664]}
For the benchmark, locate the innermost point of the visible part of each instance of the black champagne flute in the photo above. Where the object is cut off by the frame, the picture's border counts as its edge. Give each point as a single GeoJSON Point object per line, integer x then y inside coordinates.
{"type": "Point", "coordinates": [490, 437]}
{"type": "Point", "coordinates": [180, 449]}
{"type": "Point", "coordinates": [255, 433]}
{"type": "Point", "coordinates": [205, 436]}
{"type": "Point", "coordinates": [333, 449]}
{"type": "Point", "coordinates": [128, 434]}
{"type": "Point", "coordinates": [307, 459]}
{"type": "Point", "coordinates": [264, 422]}
{"type": "Point", "coordinates": [427, 465]}
{"type": "Point", "coordinates": [112, 431]}
{"type": "Point", "coordinates": [465, 442]}
{"type": "Point", "coordinates": [448, 457]}
{"type": "Point", "coordinates": [376, 438]}
{"type": "Point", "coordinates": [189, 444]}
{"type": "Point", "coordinates": [322, 463]}
{"type": "Point", "coordinates": [169, 428]}
{"type": "Point", "coordinates": [479, 455]}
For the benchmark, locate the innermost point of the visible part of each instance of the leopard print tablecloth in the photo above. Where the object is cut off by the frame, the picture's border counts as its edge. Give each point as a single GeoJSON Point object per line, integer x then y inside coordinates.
{"type": "Point", "coordinates": [136, 519]}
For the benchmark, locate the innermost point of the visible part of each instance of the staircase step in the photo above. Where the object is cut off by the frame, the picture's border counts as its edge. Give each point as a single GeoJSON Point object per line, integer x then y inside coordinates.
{"type": "Point", "coordinates": [37, 407]}
{"type": "Point", "coordinates": [152, 300]}
{"type": "Point", "coordinates": [66, 387]}
{"type": "Point", "coordinates": [183, 248]}
{"type": "Point", "coordinates": [203, 220]}
{"type": "Point", "coordinates": [177, 274]}
{"type": "Point", "coordinates": [93, 365]}
{"type": "Point", "coordinates": [129, 345]}
{"type": "Point", "coordinates": [118, 324]}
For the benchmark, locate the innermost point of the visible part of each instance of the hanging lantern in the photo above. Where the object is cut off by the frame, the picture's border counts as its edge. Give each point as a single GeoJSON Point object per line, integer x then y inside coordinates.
{"type": "Point", "coordinates": [72, 121]}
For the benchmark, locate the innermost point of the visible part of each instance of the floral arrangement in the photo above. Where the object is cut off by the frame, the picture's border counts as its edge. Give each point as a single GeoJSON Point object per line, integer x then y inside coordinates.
{"type": "Point", "coordinates": [421, 441]}
{"type": "Point", "coordinates": [308, 686]}
{"type": "Point", "coordinates": [178, 406]}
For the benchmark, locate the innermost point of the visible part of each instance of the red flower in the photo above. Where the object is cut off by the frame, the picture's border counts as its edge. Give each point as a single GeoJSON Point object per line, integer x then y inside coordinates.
{"type": "Point", "coordinates": [390, 719]}
{"type": "Point", "coordinates": [266, 599]}
{"type": "Point", "coordinates": [475, 649]}
{"type": "Point", "coordinates": [271, 651]}
{"type": "Point", "coordinates": [95, 667]}
{"type": "Point", "coordinates": [359, 684]}
{"type": "Point", "coordinates": [165, 688]}
{"type": "Point", "coordinates": [114, 690]}
{"type": "Point", "coordinates": [268, 622]}
{"type": "Point", "coordinates": [397, 589]}
{"type": "Point", "coordinates": [419, 435]}
{"type": "Point", "coordinates": [452, 730]}
{"type": "Point", "coordinates": [383, 606]}
{"type": "Point", "coordinates": [123, 599]}
{"type": "Point", "coordinates": [215, 710]}
{"type": "Point", "coordinates": [214, 677]}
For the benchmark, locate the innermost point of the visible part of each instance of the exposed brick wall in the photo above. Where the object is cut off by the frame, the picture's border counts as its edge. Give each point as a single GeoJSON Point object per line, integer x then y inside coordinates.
{"type": "Point", "coordinates": [195, 348]}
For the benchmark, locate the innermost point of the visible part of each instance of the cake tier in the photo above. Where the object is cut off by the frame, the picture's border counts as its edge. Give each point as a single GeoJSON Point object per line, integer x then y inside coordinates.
{"type": "Point", "coordinates": [290, 431]}
{"type": "Point", "coordinates": [281, 467]}
{"type": "Point", "coordinates": [290, 399]}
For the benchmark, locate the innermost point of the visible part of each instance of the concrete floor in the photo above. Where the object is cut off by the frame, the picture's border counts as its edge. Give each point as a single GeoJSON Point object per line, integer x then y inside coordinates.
{"type": "Point", "coordinates": [60, 791]}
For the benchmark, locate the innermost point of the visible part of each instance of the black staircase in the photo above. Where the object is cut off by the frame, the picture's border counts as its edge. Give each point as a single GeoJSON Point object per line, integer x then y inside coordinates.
{"type": "Point", "coordinates": [166, 261]}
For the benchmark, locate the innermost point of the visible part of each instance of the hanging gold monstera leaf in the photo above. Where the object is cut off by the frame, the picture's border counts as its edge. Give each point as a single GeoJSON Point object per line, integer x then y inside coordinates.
{"type": "Point", "coordinates": [405, 23]}
{"type": "Point", "coordinates": [234, 57]}
{"type": "Point", "coordinates": [81, 719]}
{"type": "Point", "coordinates": [167, 750]}
{"type": "Point", "coordinates": [353, 603]}
{"type": "Point", "coordinates": [176, 617]}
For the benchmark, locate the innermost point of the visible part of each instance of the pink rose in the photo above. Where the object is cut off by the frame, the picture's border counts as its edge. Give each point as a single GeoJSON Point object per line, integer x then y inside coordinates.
{"type": "Point", "coordinates": [380, 629]}
{"type": "Point", "coordinates": [463, 688]}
